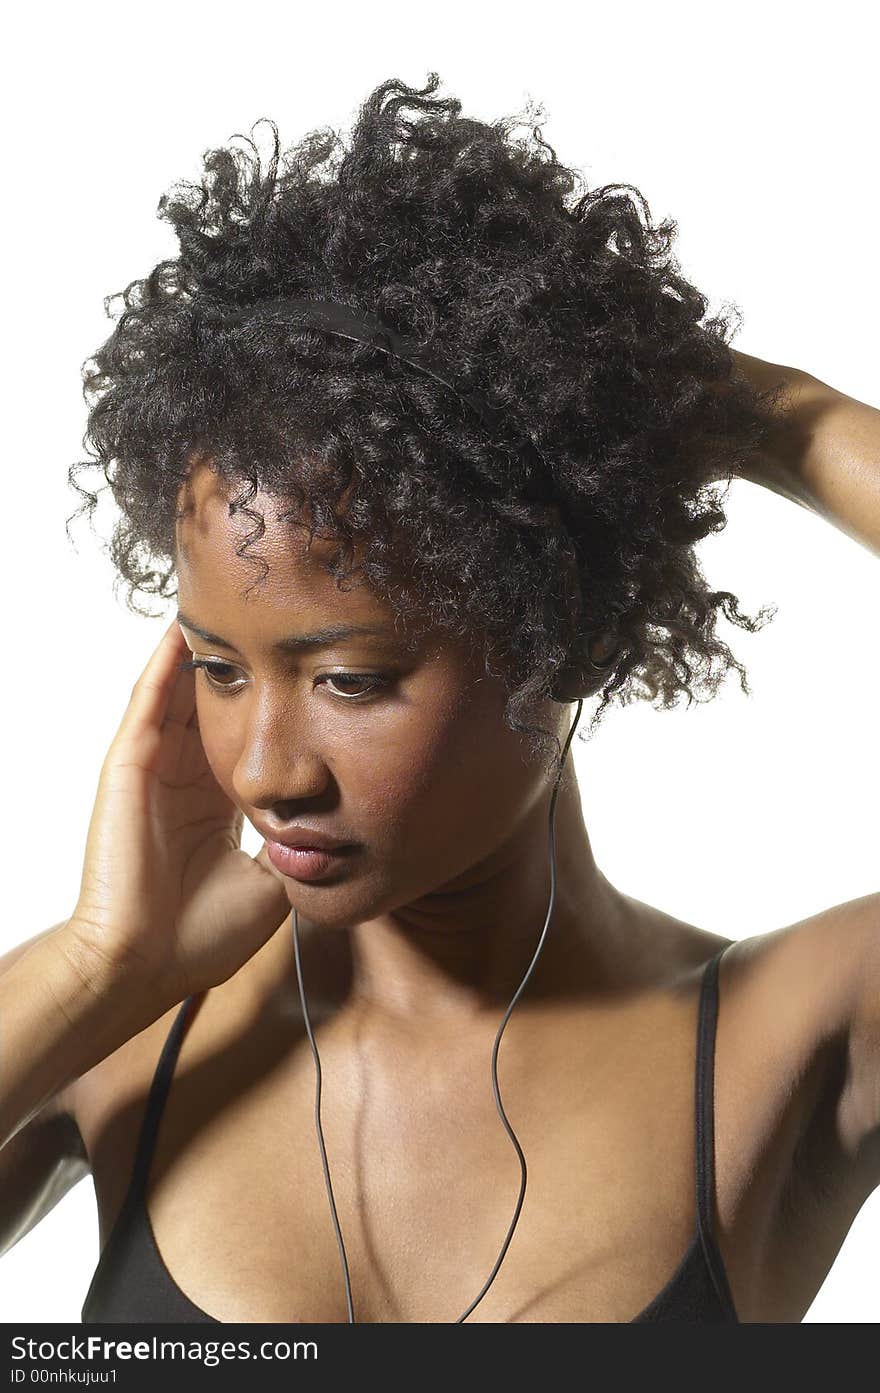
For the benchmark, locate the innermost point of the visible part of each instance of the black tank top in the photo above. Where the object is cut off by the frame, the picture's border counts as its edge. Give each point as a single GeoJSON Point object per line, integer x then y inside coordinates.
{"type": "Point", "coordinates": [132, 1284]}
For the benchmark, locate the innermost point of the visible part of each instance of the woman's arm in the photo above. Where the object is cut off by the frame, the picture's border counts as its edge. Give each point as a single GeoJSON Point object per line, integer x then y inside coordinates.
{"type": "Point", "coordinates": [826, 455]}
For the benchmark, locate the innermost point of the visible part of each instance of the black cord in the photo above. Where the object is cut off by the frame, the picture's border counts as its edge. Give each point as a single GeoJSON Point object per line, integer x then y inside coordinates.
{"type": "Point", "coordinates": [510, 1132]}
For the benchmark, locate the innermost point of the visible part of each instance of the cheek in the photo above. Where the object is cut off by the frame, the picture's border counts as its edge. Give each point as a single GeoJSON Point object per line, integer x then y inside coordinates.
{"type": "Point", "coordinates": [217, 735]}
{"type": "Point", "coordinates": [439, 794]}
{"type": "Point", "coordinates": [224, 745]}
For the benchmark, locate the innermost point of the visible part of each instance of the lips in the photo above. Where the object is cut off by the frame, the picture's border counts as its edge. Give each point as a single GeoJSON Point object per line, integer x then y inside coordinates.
{"type": "Point", "coordinates": [306, 863]}
{"type": "Point", "coordinates": [304, 839]}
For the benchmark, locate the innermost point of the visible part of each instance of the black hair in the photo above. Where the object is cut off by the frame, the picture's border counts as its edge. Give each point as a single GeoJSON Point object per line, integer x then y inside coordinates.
{"type": "Point", "coordinates": [563, 305]}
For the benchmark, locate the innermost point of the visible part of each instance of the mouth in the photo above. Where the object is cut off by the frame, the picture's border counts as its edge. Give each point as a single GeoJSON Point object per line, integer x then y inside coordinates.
{"type": "Point", "coordinates": [306, 863]}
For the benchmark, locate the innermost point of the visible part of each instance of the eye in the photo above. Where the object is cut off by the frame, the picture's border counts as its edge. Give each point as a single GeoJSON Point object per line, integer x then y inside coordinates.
{"type": "Point", "coordinates": [372, 681]}
{"type": "Point", "coordinates": [211, 668]}
{"type": "Point", "coordinates": [376, 681]}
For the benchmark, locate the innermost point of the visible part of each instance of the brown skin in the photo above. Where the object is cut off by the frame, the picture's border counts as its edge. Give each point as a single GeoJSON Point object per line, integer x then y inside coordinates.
{"type": "Point", "coordinates": [442, 906]}
{"type": "Point", "coordinates": [410, 960]}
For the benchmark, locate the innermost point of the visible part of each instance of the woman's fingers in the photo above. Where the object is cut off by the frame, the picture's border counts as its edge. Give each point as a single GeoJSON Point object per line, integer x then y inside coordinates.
{"type": "Point", "coordinates": [161, 693]}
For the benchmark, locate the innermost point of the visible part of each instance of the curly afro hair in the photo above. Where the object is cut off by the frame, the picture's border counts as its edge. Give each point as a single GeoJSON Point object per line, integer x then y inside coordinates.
{"type": "Point", "coordinates": [562, 306]}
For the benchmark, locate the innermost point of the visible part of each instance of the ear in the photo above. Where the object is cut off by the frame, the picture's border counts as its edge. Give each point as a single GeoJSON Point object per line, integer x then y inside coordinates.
{"type": "Point", "coordinates": [585, 677]}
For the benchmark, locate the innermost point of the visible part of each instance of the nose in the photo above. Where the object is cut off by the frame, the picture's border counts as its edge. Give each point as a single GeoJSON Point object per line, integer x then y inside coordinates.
{"type": "Point", "coordinates": [281, 761]}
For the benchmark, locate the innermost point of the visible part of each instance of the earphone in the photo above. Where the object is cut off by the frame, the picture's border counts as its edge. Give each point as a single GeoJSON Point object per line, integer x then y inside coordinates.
{"type": "Point", "coordinates": [498, 1104]}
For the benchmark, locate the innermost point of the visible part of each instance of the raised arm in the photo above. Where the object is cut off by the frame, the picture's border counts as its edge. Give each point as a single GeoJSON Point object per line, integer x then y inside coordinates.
{"type": "Point", "coordinates": [826, 455]}
{"type": "Point", "coordinates": [827, 969]}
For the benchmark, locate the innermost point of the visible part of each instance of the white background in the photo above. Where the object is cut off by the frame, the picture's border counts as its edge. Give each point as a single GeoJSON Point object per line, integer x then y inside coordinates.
{"type": "Point", "coordinates": [751, 125]}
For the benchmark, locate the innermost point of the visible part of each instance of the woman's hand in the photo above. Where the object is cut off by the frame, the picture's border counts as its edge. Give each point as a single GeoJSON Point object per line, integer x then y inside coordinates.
{"type": "Point", "coordinates": [167, 896]}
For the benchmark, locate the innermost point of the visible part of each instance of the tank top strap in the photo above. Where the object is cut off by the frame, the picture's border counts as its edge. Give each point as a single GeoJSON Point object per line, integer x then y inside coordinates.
{"type": "Point", "coordinates": [705, 1122]}
{"type": "Point", "coordinates": [158, 1093]}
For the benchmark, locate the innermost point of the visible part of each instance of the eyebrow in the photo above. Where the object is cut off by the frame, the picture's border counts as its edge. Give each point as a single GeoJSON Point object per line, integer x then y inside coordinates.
{"type": "Point", "coordinates": [293, 643]}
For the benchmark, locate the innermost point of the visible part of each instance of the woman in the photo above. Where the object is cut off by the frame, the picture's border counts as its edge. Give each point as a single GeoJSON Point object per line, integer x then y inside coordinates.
{"type": "Point", "coordinates": [426, 449]}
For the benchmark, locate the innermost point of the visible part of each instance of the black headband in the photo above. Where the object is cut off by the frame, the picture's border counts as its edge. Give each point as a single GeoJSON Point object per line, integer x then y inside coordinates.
{"type": "Point", "coordinates": [363, 327]}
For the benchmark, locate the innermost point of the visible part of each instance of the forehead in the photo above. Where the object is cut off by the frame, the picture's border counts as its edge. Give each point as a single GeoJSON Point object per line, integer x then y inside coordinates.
{"type": "Point", "coordinates": [277, 570]}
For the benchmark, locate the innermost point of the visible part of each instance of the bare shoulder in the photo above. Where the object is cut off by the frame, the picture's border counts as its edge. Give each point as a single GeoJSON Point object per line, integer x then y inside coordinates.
{"type": "Point", "coordinates": [105, 1108]}
{"type": "Point", "coordinates": [803, 1006]}
{"type": "Point", "coordinates": [123, 1076]}
{"type": "Point", "coordinates": [54, 1149]}
{"type": "Point", "coordinates": [809, 981]}
{"type": "Point", "coordinates": [108, 1103]}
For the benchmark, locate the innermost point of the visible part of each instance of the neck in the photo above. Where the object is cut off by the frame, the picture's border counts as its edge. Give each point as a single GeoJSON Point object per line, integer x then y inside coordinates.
{"type": "Point", "coordinates": [457, 955]}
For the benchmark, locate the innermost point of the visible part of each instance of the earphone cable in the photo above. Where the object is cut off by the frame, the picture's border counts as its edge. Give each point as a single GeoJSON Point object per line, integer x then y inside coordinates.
{"type": "Point", "coordinates": [522, 1160]}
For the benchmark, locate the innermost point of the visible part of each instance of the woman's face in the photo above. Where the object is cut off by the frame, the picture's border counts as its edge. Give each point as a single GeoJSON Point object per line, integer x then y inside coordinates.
{"type": "Point", "coordinates": [395, 745]}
